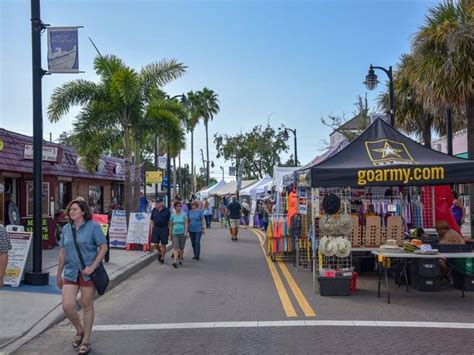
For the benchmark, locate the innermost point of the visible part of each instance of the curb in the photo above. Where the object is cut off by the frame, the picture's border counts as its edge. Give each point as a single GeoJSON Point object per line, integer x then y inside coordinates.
{"type": "Point", "coordinates": [56, 314]}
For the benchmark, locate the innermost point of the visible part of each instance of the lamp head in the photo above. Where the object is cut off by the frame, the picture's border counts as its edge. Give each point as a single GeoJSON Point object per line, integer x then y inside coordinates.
{"type": "Point", "coordinates": [371, 79]}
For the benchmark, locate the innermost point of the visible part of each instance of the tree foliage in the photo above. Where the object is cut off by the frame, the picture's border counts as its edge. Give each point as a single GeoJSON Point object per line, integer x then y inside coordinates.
{"type": "Point", "coordinates": [261, 147]}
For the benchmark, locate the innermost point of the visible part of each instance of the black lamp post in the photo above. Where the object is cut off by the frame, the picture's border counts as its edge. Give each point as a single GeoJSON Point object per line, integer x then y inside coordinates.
{"type": "Point", "coordinates": [168, 158]}
{"type": "Point", "coordinates": [37, 277]}
{"type": "Point", "coordinates": [296, 144]}
{"type": "Point", "coordinates": [371, 83]}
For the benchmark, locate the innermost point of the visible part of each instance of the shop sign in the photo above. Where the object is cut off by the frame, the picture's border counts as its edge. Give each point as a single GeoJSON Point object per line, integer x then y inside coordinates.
{"type": "Point", "coordinates": [118, 229]}
{"type": "Point", "coordinates": [1, 145]}
{"type": "Point", "coordinates": [44, 228]}
{"type": "Point", "coordinates": [138, 228]}
{"type": "Point", "coordinates": [49, 153]}
{"type": "Point", "coordinates": [154, 177]}
{"type": "Point", "coordinates": [231, 170]}
{"type": "Point", "coordinates": [17, 255]}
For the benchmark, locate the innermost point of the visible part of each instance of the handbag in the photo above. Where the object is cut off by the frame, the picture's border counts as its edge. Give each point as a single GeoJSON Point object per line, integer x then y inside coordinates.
{"type": "Point", "coordinates": [99, 277]}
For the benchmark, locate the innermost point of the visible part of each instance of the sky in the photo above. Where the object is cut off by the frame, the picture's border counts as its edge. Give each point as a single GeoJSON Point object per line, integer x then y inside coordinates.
{"type": "Point", "coordinates": [282, 62]}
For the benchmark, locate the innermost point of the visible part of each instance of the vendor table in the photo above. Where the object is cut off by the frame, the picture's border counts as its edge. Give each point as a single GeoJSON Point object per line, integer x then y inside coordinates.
{"type": "Point", "coordinates": [404, 256]}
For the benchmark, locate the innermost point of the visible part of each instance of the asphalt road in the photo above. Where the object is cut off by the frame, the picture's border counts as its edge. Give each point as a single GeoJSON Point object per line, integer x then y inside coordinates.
{"type": "Point", "coordinates": [231, 302]}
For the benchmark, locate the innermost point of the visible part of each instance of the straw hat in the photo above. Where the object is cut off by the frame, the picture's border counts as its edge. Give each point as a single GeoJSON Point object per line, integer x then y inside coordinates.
{"type": "Point", "coordinates": [343, 247]}
{"type": "Point", "coordinates": [327, 246]}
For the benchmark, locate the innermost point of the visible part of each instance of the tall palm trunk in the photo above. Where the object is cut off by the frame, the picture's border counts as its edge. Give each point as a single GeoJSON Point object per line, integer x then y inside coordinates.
{"type": "Point", "coordinates": [470, 150]}
{"type": "Point", "coordinates": [180, 177]}
{"type": "Point", "coordinates": [207, 152]}
{"type": "Point", "coordinates": [192, 161]}
{"type": "Point", "coordinates": [174, 178]}
{"type": "Point", "coordinates": [426, 132]}
{"type": "Point", "coordinates": [136, 181]}
{"type": "Point", "coordinates": [127, 201]}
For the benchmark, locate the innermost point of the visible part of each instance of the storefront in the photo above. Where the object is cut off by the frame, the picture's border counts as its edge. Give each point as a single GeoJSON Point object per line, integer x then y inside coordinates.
{"type": "Point", "coordinates": [64, 178]}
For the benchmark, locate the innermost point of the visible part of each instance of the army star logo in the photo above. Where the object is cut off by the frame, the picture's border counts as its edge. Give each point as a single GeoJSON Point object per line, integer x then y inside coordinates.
{"type": "Point", "coordinates": [388, 150]}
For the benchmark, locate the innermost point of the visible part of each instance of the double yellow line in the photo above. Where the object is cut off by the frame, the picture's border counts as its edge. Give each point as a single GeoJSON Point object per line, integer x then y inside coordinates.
{"type": "Point", "coordinates": [284, 298]}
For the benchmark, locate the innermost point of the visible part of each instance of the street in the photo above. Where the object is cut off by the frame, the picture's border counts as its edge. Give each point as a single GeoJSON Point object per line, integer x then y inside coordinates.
{"type": "Point", "coordinates": [230, 303]}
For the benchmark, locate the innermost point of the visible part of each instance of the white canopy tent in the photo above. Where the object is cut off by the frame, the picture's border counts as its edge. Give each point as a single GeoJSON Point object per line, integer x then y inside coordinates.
{"type": "Point", "coordinates": [259, 187]}
{"type": "Point", "coordinates": [279, 173]}
{"type": "Point", "coordinates": [230, 188]}
{"type": "Point", "coordinates": [203, 194]}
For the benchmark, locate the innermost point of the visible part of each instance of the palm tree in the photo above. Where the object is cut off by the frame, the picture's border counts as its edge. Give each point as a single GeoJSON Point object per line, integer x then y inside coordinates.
{"type": "Point", "coordinates": [115, 103]}
{"type": "Point", "coordinates": [194, 105]}
{"type": "Point", "coordinates": [443, 48]}
{"type": "Point", "coordinates": [210, 105]}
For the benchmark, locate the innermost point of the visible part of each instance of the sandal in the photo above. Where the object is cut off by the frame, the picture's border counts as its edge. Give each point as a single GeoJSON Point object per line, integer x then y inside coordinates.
{"type": "Point", "coordinates": [84, 349]}
{"type": "Point", "coordinates": [77, 340]}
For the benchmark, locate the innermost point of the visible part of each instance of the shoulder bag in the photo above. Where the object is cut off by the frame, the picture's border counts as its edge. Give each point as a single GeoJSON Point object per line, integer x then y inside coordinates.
{"type": "Point", "coordinates": [99, 277]}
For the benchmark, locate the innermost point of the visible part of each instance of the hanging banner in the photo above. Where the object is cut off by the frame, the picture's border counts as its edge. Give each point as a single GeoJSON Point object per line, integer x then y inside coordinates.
{"type": "Point", "coordinates": [17, 255]}
{"type": "Point", "coordinates": [63, 50]}
{"type": "Point", "coordinates": [118, 229]}
{"type": "Point", "coordinates": [162, 160]}
{"type": "Point", "coordinates": [138, 228]}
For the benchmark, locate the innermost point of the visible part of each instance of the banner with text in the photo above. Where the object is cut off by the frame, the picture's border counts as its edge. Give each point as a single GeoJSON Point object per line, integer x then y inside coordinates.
{"type": "Point", "coordinates": [63, 50]}
{"type": "Point", "coordinates": [138, 228]}
{"type": "Point", "coordinates": [17, 255]}
{"type": "Point", "coordinates": [118, 229]}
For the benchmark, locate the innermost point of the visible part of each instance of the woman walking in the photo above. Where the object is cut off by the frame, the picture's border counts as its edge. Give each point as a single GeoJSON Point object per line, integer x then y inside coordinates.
{"type": "Point", "coordinates": [93, 246]}
{"type": "Point", "coordinates": [208, 212]}
{"type": "Point", "coordinates": [178, 232]}
{"type": "Point", "coordinates": [196, 228]}
{"type": "Point", "coordinates": [222, 217]}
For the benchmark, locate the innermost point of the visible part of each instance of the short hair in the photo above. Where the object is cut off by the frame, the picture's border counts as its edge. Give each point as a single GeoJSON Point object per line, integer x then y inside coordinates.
{"type": "Point", "coordinates": [176, 203]}
{"type": "Point", "coordinates": [455, 194]}
{"type": "Point", "coordinates": [83, 205]}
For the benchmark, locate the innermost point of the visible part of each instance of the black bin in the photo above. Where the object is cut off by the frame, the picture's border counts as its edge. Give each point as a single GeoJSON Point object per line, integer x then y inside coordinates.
{"type": "Point", "coordinates": [335, 286]}
{"type": "Point", "coordinates": [463, 282]}
{"type": "Point", "coordinates": [426, 267]}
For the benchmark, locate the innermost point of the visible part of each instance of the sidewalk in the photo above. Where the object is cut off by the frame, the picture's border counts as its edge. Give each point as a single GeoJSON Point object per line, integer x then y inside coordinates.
{"type": "Point", "coordinates": [27, 311]}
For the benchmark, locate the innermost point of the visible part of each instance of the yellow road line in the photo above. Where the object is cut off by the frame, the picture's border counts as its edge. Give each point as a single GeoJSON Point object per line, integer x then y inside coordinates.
{"type": "Point", "coordinates": [284, 298]}
{"type": "Point", "coordinates": [302, 301]}
{"type": "Point", "coordinates": [304, 304]}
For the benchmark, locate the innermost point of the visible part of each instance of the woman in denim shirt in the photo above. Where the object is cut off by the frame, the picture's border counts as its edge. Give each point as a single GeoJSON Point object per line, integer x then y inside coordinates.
{"type": "Point", "coordinates": [196, 229]}
{"type": "Point", "coordinates": [93, 246]}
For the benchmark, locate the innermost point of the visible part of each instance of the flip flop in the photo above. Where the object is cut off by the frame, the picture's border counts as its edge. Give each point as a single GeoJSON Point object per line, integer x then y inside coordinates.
{"type": "Point", "coordinates": [77, 340]}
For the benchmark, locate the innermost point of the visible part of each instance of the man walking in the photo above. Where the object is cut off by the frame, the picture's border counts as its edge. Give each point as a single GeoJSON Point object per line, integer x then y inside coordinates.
{"type": "Point", "coordinates": [234, 212]}
{"type": "Point", "coordinates": [160, 217]}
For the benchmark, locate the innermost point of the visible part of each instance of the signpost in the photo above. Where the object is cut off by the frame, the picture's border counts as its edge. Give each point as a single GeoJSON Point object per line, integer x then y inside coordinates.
{"type": "Point", "coordinates": [154, 177]}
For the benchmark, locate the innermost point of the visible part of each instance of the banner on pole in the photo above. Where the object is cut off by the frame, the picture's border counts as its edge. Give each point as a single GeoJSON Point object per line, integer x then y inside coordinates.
{"type": "Point", "coordinates": [63, 50]}
{"type": "Point", "coordinates": [162, 160]}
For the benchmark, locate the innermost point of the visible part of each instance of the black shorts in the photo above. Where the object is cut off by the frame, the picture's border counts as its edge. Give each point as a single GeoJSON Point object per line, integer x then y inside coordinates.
{"type": "Point", "coordinates": [160, 235]}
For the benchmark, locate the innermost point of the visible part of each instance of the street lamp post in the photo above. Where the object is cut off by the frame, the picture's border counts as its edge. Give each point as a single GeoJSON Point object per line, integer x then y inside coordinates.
{"type": "Point", "coordinates": [296, 144]}
{"type": "Point", "coordinates": [371, 83]}
{"type": "Point", "coordinates": [37, 277]}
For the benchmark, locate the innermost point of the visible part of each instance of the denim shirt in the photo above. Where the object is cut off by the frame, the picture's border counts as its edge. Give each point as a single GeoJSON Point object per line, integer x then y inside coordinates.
{"type": "Point", "coordinates": [195, 221]}
{"type": "Point", "coordinates": [89, 238]}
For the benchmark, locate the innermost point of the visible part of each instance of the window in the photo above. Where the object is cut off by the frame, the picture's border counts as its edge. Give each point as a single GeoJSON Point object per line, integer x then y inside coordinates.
{"type": "Point", "coordinates": [65, 195]}
{"type": "Point", "coordinates": [29, 198]}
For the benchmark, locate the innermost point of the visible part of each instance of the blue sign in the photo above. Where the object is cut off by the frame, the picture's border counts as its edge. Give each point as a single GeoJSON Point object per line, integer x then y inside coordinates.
{"type": "Point", "coordinates": [63, 50]}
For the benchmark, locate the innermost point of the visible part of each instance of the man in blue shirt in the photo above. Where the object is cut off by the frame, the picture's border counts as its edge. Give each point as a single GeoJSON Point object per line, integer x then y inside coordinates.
{"type": "Point", "coordinates": [234, 212]}
{"type": "Point", "coordinates": [160, 217]}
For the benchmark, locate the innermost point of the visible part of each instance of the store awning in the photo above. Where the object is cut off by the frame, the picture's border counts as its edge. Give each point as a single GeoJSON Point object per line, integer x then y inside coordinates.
{"type": "Point", "coordinates": [279, 173]}
{"type": "Point", "coordinates": [382, 156]}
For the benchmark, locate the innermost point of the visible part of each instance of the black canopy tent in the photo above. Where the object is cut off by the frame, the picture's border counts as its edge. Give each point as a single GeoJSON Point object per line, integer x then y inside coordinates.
{"type": "Point", "coordinates": [381, 156]}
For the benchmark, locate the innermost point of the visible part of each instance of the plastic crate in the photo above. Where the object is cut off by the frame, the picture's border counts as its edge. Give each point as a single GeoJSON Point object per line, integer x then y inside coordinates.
{"type": "Point", "coordinates": [464, 266]}
{"type": "Point", "coordinates": [426, 267]}
{"type": "Point", "coordinates": [335, 286]}
{"type": "Point", "coordinates": [426, 284]}
{"type": "Point", "coordinates": [463, 282]}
